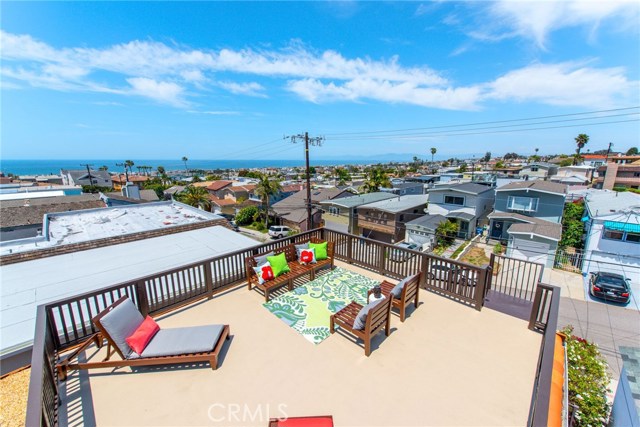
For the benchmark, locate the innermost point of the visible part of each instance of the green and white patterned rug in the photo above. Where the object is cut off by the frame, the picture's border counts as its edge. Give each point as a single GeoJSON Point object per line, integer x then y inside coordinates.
{"type": "Point", "coordinates": [308, 307]}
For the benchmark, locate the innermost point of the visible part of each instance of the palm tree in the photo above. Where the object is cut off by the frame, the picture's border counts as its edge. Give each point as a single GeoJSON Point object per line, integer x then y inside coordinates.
{"type": "Point", "coordinates": [433, 153]}
{"type": "Point", "coordinates": [185, 160]}
{"type": "Point", "coordinates": [266, 188]}
{"type": "Point", "coordinates": [581, 141]}
{"type": "Point", "coordinates": [376, 178]}
{"type": "Point", "coordinates": [415, 160]}
{"type": "Point", "coordinates": [195, 196]}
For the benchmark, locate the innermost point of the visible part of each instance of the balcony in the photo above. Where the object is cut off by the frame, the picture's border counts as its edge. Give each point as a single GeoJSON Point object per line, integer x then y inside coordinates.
{"type": "Point", "coordinates": [450, 363]}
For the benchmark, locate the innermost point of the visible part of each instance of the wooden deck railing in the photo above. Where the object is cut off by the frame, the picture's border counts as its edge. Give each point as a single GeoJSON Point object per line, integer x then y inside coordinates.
{"type": "Point", "coordinates": [63, 324]}
{"type": "Point", "coordinates": [544, 318]}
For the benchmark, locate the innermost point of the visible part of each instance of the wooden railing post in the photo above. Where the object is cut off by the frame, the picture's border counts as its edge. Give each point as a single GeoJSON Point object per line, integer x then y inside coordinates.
{"type": "Point", "coordinates": [382, 250]}
{"type": "Point", "coordinates": [350, 249]}
{"type": "Point", "coordinates": [424, 264]}
{"type": "Point", "coordinates": [535, 309]}
{"type": "Point", "coordinates": [141, 296]}
{"type": "Point", "coordinates": [208, 279]}
{"type": "Point", "coordinates": [480, 285]}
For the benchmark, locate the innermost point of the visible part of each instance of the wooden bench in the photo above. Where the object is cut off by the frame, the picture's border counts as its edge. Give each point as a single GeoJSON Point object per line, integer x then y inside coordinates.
{"type": "Point", "coordinates": [409, 292]}
{"type": "Point", "coordinates": [378, 318]}
{"type": "Point", "coordinates": [296, 269]}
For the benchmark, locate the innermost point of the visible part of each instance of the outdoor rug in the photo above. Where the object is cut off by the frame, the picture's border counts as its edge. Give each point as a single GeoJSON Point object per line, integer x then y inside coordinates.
{"type": "Point", "coordinates": [308, 307]}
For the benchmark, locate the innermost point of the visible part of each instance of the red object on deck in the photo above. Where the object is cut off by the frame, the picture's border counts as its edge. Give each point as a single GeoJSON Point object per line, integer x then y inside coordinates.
{"type": "Point", "coordinates": [320, 421]}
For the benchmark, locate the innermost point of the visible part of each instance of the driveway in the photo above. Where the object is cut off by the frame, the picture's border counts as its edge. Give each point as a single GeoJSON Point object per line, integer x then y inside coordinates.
{"type": "Point", "coordinates": [255, 235]}
{"type": "Point", "coordinates": [634, 304]}
{"type": "Point", "coordinates": [607, 325]}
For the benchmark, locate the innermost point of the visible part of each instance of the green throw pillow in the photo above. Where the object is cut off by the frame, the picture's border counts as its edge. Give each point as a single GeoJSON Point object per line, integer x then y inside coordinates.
{"type": "Point", "coordinates": [321, 250]}
{"type": "Point", "coordinates": [278, 264]}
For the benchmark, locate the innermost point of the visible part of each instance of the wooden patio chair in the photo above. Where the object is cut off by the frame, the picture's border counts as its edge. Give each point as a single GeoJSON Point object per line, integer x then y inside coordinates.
{"type": "Point", "coordinates": [168, 346]}
{"type": "Point", "coordinates": [410, 292]}
{"type": "Point", "coordinates": [378, 318]}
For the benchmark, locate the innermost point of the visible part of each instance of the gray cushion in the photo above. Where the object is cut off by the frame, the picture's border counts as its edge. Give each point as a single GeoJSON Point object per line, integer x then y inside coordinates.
{"type": "Point", "coordinates": [397, 290]}
{"type": "Point", "coordinates": [302, 246]}
{"type": "Point", "coordinates": [361, 319]}
{"type": "Point", "coordinates": [263, 258]}
{"type": "Point", "coordinates": [177, 341]}
{"type": "Point", "coordinates": [121, 322]}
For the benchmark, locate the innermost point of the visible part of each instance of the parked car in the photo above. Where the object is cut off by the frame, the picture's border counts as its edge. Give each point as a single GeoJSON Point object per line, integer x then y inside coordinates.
{"type": "Point", "coordinates": [451, 273]}
{"type": "Point", "coordinates": [610, 287]}
{"type": "Point", "coordinates": [278, 231]}
{"type": "Point", "coordinates": [234, 226]}
{"type": "Point", "coordinates": [400, 255]}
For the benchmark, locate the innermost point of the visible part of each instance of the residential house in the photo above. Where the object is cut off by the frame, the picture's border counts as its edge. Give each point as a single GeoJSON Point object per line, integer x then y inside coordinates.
{"type": "Point", "coordinates": [81, 177]}
{"type": "Point", "coordinates": [509, 171]}
{"type": "Point", "coordinates": [130, 195]}
{"type": "Point", "coordinates": [404, 188]}
{"type": "Point", "coordinates": [593, 160]}
{"type": "Point", "coordinates": [612, 230]}
{"type": "Point", "coordinates": [385, 220]}
{"type": "Point", "coordinates": [21, 219]}
{"type": "Point", "coordinates": [422, 230]}
{"type": "Point", "coordinates": [292, 211]}
{"type": "Point", "coordinates": [539, 170]}
{"type": "Point", "coordinates": [616, 174]}
{"type": "Point", "coordinates": [573, 176]}
{"type": "Point", "coordinates": [120, 180]}
{"type": "Point", "coordinates": [528, 215]}
{"type": "Point", "coordinates": [466, 203]}
{"type": "Point", "coordinates": [216, 187]}
{"type": "Point", "coordinates": [42, 179]}
{"type": "Point", "coordinates": [345, 209]}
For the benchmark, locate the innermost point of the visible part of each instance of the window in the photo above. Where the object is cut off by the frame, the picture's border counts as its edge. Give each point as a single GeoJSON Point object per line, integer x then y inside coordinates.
{"type": "Point", "coordinates": [454, 200]}
{"type": "Point", "coordinates": [526, 204]}
{"type": "Point", "coordinates": [613, 234]}
{"type": "Point", "coordinates": [534, 168]}
{"type": "Point", "coordinates": [632, 237]}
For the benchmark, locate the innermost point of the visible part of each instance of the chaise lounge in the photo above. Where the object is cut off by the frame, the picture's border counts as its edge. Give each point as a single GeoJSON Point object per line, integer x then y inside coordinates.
{"type": "Point", "coordinates": [122, 320]}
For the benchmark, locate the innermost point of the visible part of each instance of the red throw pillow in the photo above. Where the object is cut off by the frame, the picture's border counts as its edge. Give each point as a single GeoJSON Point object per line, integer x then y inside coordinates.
{"type": "Point", "coordinates": [139, 340]}
{"type": "Point", "coordinates": [267, 273]}
{"type": "Point", "coordinates": [306, 256]}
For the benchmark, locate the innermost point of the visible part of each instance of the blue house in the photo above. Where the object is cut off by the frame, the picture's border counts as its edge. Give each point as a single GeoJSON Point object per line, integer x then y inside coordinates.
{"type": "Point", "coordinates": [528, 215]}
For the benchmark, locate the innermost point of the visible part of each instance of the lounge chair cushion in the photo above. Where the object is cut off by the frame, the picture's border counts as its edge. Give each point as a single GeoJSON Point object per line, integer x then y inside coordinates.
{"type": "Point", "coordinates": [177, 341]}
{"type": "Point", "coordinates": [397, 290]}
{"type": "Point", "coordinates": [361, 319]}
{"type": "Point", "coordinates": [120, 323]}
{"type": "Point", "coordinates": [263, 258]}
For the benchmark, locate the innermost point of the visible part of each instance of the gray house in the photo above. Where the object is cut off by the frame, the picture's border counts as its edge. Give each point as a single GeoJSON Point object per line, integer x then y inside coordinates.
{"type": "Point", "coordinates": [345, 209]}
{"type": "Point", "coordinates": [404, 188]}
{"type": "Point", "coordinates": [539, 170]}
{"type": "Point", "coordinates": [464, 203]}
{"type": "Point", "coordinates": [422, 231]}
{"type": "Point", "coordinates": [528, 216]}
{"type": "Point", "coordinates": [83, 177]}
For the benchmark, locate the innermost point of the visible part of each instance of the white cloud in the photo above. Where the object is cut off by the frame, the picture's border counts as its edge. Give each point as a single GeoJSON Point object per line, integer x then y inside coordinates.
{"type": "Point", "coordinates": [461, 98]}
{"type": "Point", "coordinates": [565, 84]}
{"type": "Point", "coordinates": [250, 89]}
{"type": "Point", "coordinates": [536, 19]}
{"type": "Point", "coordinates": [216, 113]}
{"type": "Point", "coordinates": [168, 92]}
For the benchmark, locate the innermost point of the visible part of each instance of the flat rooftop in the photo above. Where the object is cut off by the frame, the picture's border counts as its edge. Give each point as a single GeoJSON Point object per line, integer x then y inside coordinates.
{"type": "Point", "coordinates": [446, 365]}
{"type": "Point", "coordinates": [65, 228]}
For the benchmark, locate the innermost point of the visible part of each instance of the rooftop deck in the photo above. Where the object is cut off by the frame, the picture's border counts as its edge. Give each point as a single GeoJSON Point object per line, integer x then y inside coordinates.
{"type": "Point", "coordinates": [446, 365]}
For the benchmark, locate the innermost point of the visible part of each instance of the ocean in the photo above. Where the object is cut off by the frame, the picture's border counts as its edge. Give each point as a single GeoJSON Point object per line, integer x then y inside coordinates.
{"type": "Point", "coordinates": [45, 167]}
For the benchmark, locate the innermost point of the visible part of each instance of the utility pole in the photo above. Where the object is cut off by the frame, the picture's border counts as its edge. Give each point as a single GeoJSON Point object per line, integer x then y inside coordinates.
{"type": "Point", "coordinates": [88, 165]}
{"type": "Point", "coordinates": [606, 160]}
{"type": "Point", "coordinates": [313, 141]}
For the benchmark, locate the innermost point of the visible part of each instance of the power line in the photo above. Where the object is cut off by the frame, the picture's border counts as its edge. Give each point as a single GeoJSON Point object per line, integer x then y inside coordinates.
{"type": "Point", "coordinates": [502, 126]}
{"type": "Point", "coordinates": [485, 123]}
{"type": "Point", "coordinates": [427, 135]}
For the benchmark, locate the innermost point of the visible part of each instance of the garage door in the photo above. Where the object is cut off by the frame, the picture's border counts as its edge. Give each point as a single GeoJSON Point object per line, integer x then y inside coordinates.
{"type": "Point", "coordinates": [530, 251]}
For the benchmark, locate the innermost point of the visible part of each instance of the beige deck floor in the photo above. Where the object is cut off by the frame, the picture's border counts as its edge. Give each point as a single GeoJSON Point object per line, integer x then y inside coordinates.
{"type": "Point", "coordinates": [446, 365]}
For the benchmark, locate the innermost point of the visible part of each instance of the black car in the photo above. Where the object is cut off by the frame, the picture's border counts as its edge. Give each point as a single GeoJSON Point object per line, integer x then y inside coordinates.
{"type": "Point", "coordinates": [610, 287]}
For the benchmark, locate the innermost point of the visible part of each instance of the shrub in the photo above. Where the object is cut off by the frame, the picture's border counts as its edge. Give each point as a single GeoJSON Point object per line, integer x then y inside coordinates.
{"type": "Point", "coordinates": [259, 226]}
{"type": "Point", "coordinates": [497, 248]}
{"type": "Point", "coordinates": [588, 380]}
{"type": "Point", "coordinates": [246, 215]}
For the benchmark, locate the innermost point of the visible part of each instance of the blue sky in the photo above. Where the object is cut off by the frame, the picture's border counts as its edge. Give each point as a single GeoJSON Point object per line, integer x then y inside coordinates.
{"type": "Point", "coordinates": [226, 80]}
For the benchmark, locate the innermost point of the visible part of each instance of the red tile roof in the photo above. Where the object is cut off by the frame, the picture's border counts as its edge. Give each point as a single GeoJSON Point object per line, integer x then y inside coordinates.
{"type": "Point", "coordinates": [218, 185]}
